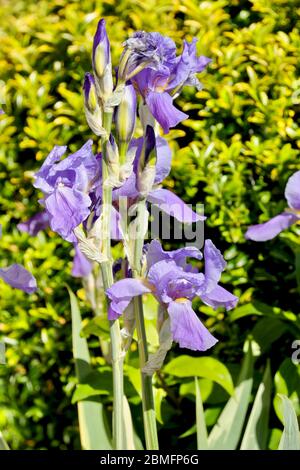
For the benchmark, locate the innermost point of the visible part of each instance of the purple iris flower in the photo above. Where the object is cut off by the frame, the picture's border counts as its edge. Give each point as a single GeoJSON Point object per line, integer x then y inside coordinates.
{"type": "Point", "coordinates": [174, 285]}
{"type": "Point", "coordinates": [163, 74]}
{"type": "Point", "coordinates": [166, 200]}
{"type": "Point", "coordinates": [66, 186]}
{"type": "Point", "coordinates": [17, 276]}
{"type": "Point", "coordinates": [269, 230]}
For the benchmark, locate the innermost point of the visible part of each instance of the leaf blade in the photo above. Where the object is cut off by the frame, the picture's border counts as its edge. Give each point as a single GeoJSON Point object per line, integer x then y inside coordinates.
{"type": "Point", "coordinates": [226, 433]}
{"type": "Point", "coordinates": [256, 433]}
{"type": "Point", "coordinates": [290, 439]}
{"type": "Point", "coordinates": [207, 367]}
{"type": "Point", "coordinates": [91, 415]}
{"type": "Point", "coordinates": [202, 442]}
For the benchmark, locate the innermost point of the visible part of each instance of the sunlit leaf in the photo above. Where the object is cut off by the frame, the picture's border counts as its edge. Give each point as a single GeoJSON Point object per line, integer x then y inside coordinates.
{"type": "Point", "coordinates": [207, 367]}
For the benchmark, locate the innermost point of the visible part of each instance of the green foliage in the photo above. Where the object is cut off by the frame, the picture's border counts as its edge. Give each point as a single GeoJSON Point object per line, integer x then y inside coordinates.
{"type": "Point", "coordinates": [93, 428]}
{"type": "Point", "coordinates": [236, 152]}
{"type": "Point", "coordinates": [290, 439]}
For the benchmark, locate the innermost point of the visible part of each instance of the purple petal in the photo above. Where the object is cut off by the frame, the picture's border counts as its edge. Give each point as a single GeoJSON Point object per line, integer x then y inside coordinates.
{"type": "Point", "coordinates": [18, 277]}
{"type": "Point", "coordinates": [171, 204]}
{"type": "Point", "coordinates": [163, 162]}
{"type": "Point", "coordinates": [269, 230]}
{"type": "Point", "coordinates": [35, 224]}
{"type": "Point", "coordinates": [162, 108]}
{"type": "Point", "coordinates": [67, 208]}
{"type": "Point", "coordinates": [85, 166]}
{"type": "Point", "coordinates": [187, 329]}
{"type": "Point", "coordinates": [220, 297]}
{"type": "Point", "coordinates": [156, 253]}
{"type": "Point", "coordinates": [41, 176]}
{"type": "Point", "coordinates": [121, 293]}
{"type": "Point", "coordinates": [292, 191]}
{"type": "Point", "coordinates": [82, 267]}
{"type": "Point", "coordinates": [159, 52]}
{"type": "Point", "coordinates": [116, 233]}
{"type": "Point", "coordinates": [170, 281]}
{"type": "Point", "coordinates": [88, 85]}
{"type": "Point", "coordinates": [214, 265]}
{"type": "Point", "coordinates": [128, 189]}
{"type": "Point", "coordinates": [160, 274]}
{"type": "Point", "coordinates": [187, 64]}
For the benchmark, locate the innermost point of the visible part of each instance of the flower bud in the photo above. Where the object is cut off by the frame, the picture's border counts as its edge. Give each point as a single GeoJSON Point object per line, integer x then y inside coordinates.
{"type": "Point", "coordinates": [125, 116]}
{"type": "Point", "coordinates": [101, 59]}
{"type": "Point", "coordinates": [147, 163]}
{"type": "Point", "coordinates": [90, 94]}
{"type": "Point", "coordinates": [93, 111]}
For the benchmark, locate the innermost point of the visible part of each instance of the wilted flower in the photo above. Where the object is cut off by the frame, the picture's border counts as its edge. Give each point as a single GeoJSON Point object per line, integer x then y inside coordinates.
{"type": "Point", "coordinates": [159, 75]}
{"type": "Point", "coordinates": [269, 230]}
{"type": "Point", "coordinates": [66, 186]}
{"type": "Point", "coordinates": [175, 285]}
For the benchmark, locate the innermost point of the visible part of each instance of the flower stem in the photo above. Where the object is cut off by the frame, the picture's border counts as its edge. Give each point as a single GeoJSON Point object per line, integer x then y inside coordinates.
{"type": "Point", "coordinates": [123, 147]}
{"type": "Point", "coordinates": [147, 390]}
{"type": "Point", "coordinates": [107, 276]}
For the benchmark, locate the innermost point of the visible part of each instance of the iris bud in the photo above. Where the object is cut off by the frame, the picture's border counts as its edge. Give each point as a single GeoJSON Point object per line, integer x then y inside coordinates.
{"type": "Point", "coordinates": [101, 59]}
{"type": "Point", "coordinates": [125, 116]}
{"type": "Point", "coordinates": [93, 111]}
{"type": "Point", "coordinates": [90, 95]}
{"type": "Point", "coordinates": [147, 163]}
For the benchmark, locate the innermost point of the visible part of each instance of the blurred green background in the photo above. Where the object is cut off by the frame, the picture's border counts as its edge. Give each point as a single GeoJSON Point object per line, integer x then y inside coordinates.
{"type": "Point", "coordinates": [235, 153]}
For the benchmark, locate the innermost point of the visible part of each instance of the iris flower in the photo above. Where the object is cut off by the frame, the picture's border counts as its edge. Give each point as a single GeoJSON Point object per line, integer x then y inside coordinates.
{"type": "Point", "coordinates": [163, 74]}
{"type": "Point", "coordinates": [175, 284]}
{"type": "Point", "coordinates": [291, 215]}
{"type": "Point", "coordinates": [67, 185]}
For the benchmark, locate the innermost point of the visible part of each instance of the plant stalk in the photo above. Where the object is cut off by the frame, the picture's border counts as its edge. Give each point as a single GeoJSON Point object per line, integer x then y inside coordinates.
{"type": "Point", "coordinates": [149, 417]}
{"type": "Point", "coordinates": [107, 276]}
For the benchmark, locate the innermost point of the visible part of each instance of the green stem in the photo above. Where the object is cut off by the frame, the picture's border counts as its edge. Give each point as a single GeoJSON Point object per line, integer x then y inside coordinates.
{"type": "Point", "coordinates": [147, 390]}
{"type": "Point", "coordinates": [123, 147]}
{"type": "Point", "coordinates": [107, 276]}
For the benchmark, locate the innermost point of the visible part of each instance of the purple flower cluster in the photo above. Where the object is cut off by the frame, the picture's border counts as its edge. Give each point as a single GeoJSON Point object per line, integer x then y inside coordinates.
{"type": "Point", "coordinates": [175, 283]}
{"type": "Point", "coordinates": [134, 169]}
